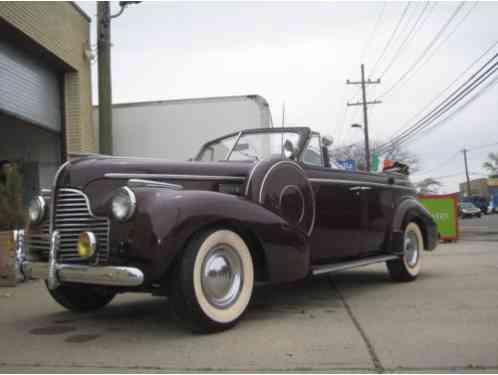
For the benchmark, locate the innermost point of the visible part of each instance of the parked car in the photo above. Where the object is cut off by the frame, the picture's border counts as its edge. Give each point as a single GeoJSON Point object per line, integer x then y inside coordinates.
{"type": "Point", "coordinates": [479, 202]}
{"type": "Point", "coordinates": [468, 209]}
{"type": "Point", "coordinates": [256, 206]}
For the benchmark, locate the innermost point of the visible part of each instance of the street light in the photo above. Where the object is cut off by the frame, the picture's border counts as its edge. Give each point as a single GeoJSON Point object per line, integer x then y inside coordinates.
{"type": "Point", "coordinates": [367, 148]}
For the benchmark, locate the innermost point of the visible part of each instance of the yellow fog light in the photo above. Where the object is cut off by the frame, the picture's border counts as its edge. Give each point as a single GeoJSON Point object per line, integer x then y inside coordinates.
{"type": "Point", "coordinates": [87, 244]}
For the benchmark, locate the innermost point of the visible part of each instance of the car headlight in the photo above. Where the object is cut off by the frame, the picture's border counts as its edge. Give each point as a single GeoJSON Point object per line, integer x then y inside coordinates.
{"type": "Point", "coordinates": [37, 209]}
{"type": "Point", "coordinates": [123, 204]}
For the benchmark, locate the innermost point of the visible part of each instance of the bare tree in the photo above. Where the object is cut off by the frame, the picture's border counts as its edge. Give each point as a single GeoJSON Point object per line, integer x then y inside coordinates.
{"type": "Point", "coordinates": [428, 186]}
{"type": "Point", "coordinates": [356, 152]}
{"type": "Point", "coordinates": [492, 164]}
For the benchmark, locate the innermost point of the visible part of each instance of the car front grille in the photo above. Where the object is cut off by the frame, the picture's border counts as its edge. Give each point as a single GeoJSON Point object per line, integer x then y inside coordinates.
{"type": "Point", "coordinates": [72, 216]}
{"type": "Point", "coordinates": [37, 241]}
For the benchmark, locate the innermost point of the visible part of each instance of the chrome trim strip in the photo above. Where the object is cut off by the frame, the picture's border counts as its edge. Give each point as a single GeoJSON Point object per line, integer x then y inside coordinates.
{"type": "Point", "coordinates": [135, 182]}
{"type": "Point", "coordinates": [53, 280]}
{"type": "Point", "coordinates": [114, 276]}
{"type": "Point", "coordinates": [358, 182]}
{"type": "Point", "coordinates": [248, 181]}
{"type": "Point", "coordinates": [319, 270]}
{"type": "Point", "coordinates": [80, 193]}
{"type": "Point", "coordinates": [173, 177]}
{"type": "Point", "coordinates": [54, 192]}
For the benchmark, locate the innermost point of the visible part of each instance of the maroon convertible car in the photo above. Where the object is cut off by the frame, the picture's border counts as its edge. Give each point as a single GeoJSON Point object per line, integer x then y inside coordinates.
{"type": "Point", "coordinates": [258, 206]}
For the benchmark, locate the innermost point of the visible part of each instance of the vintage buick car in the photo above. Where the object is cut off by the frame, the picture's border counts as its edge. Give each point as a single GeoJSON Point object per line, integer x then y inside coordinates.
{"type": "Point", "coordinates": [259, 206]}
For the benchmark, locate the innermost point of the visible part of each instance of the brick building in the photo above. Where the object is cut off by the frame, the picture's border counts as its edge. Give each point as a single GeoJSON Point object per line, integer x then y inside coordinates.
{"type": "Point", "coordinates": [45, 87]}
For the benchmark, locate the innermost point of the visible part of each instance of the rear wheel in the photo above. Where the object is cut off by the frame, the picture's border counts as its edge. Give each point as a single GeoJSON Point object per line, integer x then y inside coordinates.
{"type": "Point", "coordinates": [213, 282]}
{"type": "Point", "coordinates": [408, 266]}
{"type": "Point", "coordinates": [82, 298]}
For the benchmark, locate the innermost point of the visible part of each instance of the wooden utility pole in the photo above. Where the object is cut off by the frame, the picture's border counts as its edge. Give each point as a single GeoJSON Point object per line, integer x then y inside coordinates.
{"type": "Point", "coordinates": [466, 171]}
{"type": "Point", "coordinates": [104, 66]}
{"type": "Point", "coordinates": [364, 103]}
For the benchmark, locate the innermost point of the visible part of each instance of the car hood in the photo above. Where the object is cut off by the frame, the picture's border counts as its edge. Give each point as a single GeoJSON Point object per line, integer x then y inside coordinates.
{"type": "Point", "coordinates": [81, 172]}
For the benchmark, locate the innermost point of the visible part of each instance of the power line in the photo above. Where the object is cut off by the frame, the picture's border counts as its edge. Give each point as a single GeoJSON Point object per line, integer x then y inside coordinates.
{"type": "Point", "coordinates": [424, 52]}
{"type": "Point", "coordinates": [443, 41]}
{"type": "Point", "coordinates": [455, 97]}
{"type": "Point", "coordinates": [389, 41]}
{"type": "Point", "coordinates": [342, 124]}
{"type": "Point", "coordinates": [439, 94]}
{"type": "Point", "coordinates": [400, 48]}
{"type": "Point", "coordinates": [438, 165]}
{"type": "Point", "coordinates": [461, 107]}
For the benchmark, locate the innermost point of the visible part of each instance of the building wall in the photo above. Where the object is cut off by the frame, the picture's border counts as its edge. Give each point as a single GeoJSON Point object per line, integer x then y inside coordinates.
{"type": "Point", "coordinates": [478, 187]}
{"type": "Point", "coordinates": [62, 29]}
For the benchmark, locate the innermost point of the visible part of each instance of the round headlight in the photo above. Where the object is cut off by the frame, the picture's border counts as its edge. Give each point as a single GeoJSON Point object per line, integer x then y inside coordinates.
{"type": "Point", "coordinates": [123, 204]}
{"type": "Point", "coordinates": [36, 210]}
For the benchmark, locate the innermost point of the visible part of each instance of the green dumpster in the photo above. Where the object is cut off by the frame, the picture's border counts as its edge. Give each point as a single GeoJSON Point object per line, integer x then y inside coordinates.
{"type": "Point", "coordinates": [444, 210]}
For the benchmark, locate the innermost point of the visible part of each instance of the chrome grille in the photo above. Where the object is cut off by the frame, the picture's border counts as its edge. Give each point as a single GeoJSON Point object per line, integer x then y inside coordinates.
{"type": "Point", "coordinates": [73, 216]}
{"type": "Point", "coordinates": [37, 241]}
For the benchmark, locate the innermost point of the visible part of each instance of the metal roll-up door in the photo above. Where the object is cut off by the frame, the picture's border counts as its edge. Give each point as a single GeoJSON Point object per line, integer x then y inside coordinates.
{"type": "Point", "coordinates": [29, 88]}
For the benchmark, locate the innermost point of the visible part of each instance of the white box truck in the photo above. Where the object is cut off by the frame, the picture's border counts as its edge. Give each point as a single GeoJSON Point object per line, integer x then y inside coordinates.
{"type": "Point", "coordinates": [176, 129]}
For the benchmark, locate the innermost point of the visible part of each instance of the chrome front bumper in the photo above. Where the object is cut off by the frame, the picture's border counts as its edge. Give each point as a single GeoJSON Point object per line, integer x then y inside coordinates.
{"type": "Point", "coordinates": [72, 273]}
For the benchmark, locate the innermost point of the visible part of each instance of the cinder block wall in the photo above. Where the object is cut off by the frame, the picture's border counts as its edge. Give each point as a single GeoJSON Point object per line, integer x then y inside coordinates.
{"type": "Point", "coordinates": [60, 28]}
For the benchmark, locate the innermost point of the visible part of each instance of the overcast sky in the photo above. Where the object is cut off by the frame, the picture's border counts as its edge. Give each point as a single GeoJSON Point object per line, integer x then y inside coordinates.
{"type": "Point", "coordinates": [301, 53]}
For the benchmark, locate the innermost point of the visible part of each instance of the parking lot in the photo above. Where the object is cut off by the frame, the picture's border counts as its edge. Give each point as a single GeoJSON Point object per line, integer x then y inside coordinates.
{"type": "Point", "coordinates": [354, 320]}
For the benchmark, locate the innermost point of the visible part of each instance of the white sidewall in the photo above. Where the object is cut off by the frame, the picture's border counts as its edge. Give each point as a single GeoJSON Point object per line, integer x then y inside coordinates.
{"type": "Point", "coordinates": [412, 227]}
{"type": "Point", "coordinates": [238, 307]}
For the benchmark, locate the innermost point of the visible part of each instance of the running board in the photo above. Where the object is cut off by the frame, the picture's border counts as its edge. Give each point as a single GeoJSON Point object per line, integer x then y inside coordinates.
{"type": "Point", "coordinates": [328, 268]}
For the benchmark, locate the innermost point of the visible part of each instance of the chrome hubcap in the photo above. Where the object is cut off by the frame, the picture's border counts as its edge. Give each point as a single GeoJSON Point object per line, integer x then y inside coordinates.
{"type": "Point", "coordinates": [222, 276]}
{"type": "Point", "coordinates": [411, 248]}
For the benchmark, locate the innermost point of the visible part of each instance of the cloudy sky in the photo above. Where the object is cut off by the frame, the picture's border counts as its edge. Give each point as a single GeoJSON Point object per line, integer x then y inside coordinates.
{"type": "Point", "coordinates": [301, 53]}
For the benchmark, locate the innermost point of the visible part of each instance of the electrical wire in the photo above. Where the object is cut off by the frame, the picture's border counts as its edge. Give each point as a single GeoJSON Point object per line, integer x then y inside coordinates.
{"type": "Point", "coordinates": [438, 47]}
{"type": "Point", "coordinates": [424, 52]}
{"type": "Point", "coordinates": [342, 124]}
{"type": "Point", "coordinates": [403, 44]}
{"type": "Point", "coordinates": [455, 97]}
{"type": "Point", "coordinates": [439, 94]}
{"type": "Point", "coordinates": [389, 41]}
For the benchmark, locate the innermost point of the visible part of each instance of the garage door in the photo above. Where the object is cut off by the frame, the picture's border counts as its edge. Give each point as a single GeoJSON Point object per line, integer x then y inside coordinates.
{"type": "Point", "coordinates": [29, 89]}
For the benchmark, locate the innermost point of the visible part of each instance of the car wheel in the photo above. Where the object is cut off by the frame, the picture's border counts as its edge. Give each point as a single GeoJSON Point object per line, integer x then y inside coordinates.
{"type": "Point", "coordinates": [214, 281]}
{"type": "Point", "coordinates": [408, 266]}
{"type": "Point", "coordinates": [82, 298]}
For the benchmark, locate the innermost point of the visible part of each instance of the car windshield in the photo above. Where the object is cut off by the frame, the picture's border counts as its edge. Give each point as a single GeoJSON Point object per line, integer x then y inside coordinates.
{"type": "Point", "coordinates": [468, 205]}
{"type": "Point", "coordinates": [251, 147]}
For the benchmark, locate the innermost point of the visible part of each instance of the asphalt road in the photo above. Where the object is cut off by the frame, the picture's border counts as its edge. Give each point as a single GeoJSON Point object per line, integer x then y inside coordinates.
{"type": "Point", "coordinates": [354, 320]}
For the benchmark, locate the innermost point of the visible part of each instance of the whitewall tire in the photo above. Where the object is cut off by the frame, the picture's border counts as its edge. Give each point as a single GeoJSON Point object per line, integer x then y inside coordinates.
{"type": "Point", "coordinates": [408, 266]}
{"type": "Point", "coordinates": [214, 281]}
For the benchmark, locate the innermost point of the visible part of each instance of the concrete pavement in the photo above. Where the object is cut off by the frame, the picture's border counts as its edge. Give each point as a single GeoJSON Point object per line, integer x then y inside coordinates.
{"type": "Point", "coordinates": [355, 320]}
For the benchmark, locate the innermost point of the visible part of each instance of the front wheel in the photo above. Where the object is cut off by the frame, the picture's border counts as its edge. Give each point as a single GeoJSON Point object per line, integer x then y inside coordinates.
{"type": "Point", "coordinates": [408, 266]}
{"type": "Point", "coordinates": [82, 298]}
{"type": "Point", "coordinates": [214, 281]}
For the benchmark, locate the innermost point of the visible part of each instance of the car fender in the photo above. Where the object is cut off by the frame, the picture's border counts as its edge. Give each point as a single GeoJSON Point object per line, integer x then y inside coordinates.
{"type": "Point", "coordinates": [411, 209]}
{"type": "Point", "coordinates": [165, 220]}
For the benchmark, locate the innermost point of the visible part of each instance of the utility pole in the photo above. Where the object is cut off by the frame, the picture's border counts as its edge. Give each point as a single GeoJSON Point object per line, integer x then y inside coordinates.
{"type": "Point", "coordinates": [364, 103]}
{"type": "Point", "coordinates": [104, 66]}
{"type": "Point", "coordinates": [466, 171]}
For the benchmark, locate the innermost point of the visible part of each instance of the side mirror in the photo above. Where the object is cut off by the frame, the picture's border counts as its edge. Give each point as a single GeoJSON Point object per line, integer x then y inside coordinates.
{"type": "Point", "coordinates": [327, 140]}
